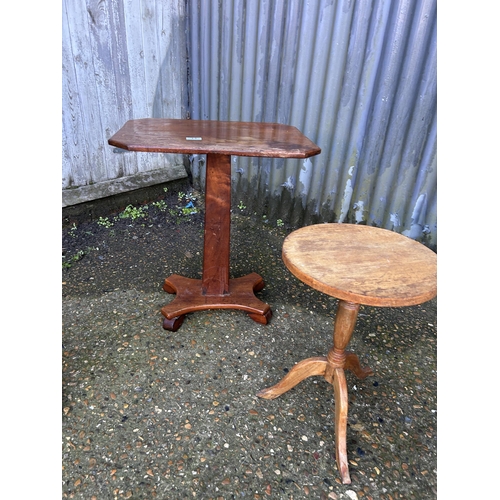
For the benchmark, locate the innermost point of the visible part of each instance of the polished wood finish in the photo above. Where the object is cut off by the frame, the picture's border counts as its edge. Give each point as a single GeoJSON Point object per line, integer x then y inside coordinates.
{"type": "Point", "coordinates": [162, 135]}
{"type": "Point", "coordinates": [189, 297]}
{"type": "Point", "coordinates": [218, 140]}
{"type": "Point", "coordinates": [358, 265]}
{"type": "Point", "coordinates": [217, 225]}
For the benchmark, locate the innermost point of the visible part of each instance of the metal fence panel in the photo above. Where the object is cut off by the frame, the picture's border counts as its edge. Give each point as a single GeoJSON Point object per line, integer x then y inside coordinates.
{"type": "Point", "coordinates": [357, 77]}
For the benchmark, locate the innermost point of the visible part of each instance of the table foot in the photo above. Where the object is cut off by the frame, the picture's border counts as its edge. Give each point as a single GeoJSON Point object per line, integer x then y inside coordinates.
{"type": "Point", "coordinates": [352, 363]}
{"type": "Point", "coordinates": [173, 324]}
{"type": "Point", "coordinates": [190, 298]}
{"type": "Point", "coordinates": [263, 319]}
{"type": "Point", "coordinates": [300, 371]}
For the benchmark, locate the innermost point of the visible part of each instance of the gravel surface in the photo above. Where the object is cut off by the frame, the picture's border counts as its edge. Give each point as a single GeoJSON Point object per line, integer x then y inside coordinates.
{"type": "Point", "coordinates": [149, 413]}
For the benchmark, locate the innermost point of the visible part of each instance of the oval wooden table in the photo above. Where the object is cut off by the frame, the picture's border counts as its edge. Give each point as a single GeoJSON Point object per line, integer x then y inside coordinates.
{"type": "Point", "coordinates": [358, 265]}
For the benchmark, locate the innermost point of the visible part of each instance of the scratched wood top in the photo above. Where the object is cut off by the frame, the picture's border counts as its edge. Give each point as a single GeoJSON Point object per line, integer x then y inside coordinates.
{"type": "Point", "coordinates": [210, 136]}
{"type": "Point", "coordinates": [362, 264]}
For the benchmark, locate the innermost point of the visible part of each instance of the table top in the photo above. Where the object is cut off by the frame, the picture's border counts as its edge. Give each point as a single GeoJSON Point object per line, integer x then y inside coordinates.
{"type": "Point", "coordinates": [210, 136]}
{"type": "Point", "coordinates": [362, 264]}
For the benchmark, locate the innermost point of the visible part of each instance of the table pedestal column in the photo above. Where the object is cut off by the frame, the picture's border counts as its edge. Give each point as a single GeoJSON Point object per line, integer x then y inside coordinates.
{"type": "Point", "coordinates": [215, 290]}
{"type": "Point", "coordinates": [331, 368]}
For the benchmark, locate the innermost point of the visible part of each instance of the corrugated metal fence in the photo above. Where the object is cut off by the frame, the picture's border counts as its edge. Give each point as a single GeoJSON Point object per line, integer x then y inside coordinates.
{"type": "Point", "coordinates": [357, 77]}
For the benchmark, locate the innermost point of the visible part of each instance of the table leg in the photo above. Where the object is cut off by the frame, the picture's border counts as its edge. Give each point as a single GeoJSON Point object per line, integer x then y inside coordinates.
{"type": "Point", "coordinates": [332, 369]}
{"type": "Point", "coordinates": [217, 225]}
{"type": "Point", "coordinates": [341, 406]}
{"type": "Point", "coordinates": [345, 320]}
{"type": "Point", "coordinates": [215, 290]}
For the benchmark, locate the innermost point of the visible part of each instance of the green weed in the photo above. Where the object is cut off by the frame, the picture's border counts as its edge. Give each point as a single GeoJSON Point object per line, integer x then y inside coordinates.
{"type": "Point", "coordinates": [133, 213]}
{"type": "Point", "coordinates": [68, 262]}
{"type": "Point", "coordinates": [160, 205]}
{"type": "Point", "coordinates": [74, 258]}
{"type": "Point", "coordinates": [104, 221]}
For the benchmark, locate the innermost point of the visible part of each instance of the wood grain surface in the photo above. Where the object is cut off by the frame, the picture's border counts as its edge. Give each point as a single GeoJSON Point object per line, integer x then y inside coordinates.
{"type": "Point", "coordinates": [362, 264]}
{"type": "Point", "coordinates": [211, 136]}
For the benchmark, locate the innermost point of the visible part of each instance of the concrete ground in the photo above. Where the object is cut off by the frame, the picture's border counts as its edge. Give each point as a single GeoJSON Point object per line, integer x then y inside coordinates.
{"type": "Point", "coordinates": [149, 413]}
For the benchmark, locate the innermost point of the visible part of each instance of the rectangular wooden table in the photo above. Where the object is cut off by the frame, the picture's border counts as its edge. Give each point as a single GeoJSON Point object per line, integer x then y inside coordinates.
{"type": "Point", "coordinates": [218, 140]}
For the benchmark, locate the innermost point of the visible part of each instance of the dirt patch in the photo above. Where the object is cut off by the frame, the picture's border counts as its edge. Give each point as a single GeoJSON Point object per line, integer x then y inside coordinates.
{"type": "Point", "coordinates": [132, 247]}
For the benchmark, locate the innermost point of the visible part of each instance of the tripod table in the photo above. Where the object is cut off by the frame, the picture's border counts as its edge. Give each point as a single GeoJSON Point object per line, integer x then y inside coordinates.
{"type": "Point", "coordinates": [358, 265]}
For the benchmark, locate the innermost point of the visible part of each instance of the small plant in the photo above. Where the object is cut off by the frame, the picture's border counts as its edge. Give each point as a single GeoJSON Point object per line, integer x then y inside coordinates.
{"type": "Point", "coordinates": [104, 221]}
{"type": "Point", "coordinates": [280, 223]}
{"type": "Point", "coordinates": [189, 211]}
{"type": "Point", "coordinates": [72, 230]}
{"type": "Point", "coordinates": [181, 195]}
{"type": "Point", "coordinates": [165, 189]}
{"type": "Point", "coordinates": [75, 258]}
{"type": "Point", "coordinates": [160, 205]}
{"type": "Point", "coordinates": [241, 206]}
{"type": "Point", "coordinates": [133, 213]}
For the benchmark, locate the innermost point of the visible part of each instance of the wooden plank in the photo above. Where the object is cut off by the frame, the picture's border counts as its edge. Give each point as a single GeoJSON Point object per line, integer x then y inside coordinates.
{"type": "Point", "coordinates": [122, 185]}
{"type": "Point", "coordinates": [106, 86]}
{"type": "Point", "coordinates": [137, 74]}
{"type": "Point", "coordinates": [81, 81]}
{"type": "Point", "coordinates": [74, 152]}
{"type": "Point", "coordinates": [120, 95]}
{"type": "Point", "coordinates": [171, 73]}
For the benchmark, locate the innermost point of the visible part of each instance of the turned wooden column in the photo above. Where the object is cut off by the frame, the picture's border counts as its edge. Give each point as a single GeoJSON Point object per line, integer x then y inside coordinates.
{"type": "Point", "coordinates": [345, 321]}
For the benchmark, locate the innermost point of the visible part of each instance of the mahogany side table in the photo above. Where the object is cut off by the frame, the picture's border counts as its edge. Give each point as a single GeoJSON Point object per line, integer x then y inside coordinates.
{"type": "Point", "coordinates": [358, 265]}
{"type": "Point", "coordinates": [218, 140]}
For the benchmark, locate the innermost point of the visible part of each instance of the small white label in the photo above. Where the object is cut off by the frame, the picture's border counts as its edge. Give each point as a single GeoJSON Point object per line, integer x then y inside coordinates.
{"type": "Point", "coordinates": [193, 138]}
